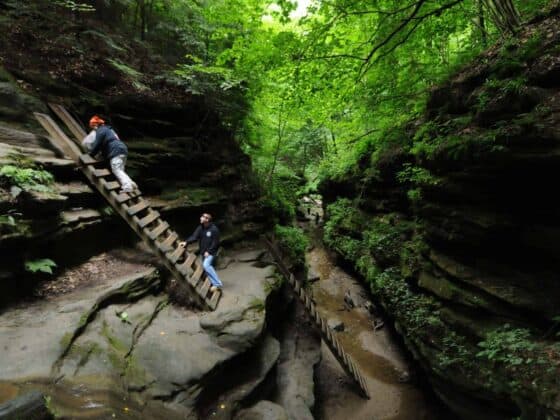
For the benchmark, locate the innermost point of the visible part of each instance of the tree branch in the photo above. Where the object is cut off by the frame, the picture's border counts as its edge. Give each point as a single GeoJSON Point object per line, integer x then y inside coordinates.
{"type": "Point", "coordinates": [411, 18]}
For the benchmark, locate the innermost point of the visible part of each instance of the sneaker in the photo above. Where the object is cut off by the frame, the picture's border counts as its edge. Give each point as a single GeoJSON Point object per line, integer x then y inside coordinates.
{"type": "Point", "coordinates": [215, 289]}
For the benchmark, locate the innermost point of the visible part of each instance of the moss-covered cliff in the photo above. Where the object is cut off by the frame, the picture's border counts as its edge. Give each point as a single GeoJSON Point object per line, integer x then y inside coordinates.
{"type": "Point", "coordinates": [455, 227]}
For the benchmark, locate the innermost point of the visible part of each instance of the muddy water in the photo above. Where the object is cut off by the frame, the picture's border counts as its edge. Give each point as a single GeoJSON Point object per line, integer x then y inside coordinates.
{"type": "Point", "coordinates": [382, 362]}
{"type": "Point", "coordinates": [78, 401]}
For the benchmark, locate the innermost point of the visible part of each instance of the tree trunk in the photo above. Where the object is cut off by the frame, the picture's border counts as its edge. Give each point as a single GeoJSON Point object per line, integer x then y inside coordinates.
{"type": "Point", "coordinates": [280, 134]}
{"type": "Point", "coordinates": [142, 19]}
{"type": "Point", "coordinates": [482, 24]}
{"type": "Point", "coordinates": [504, 14]}
{"type": "Point", "coordinates": [333, 139]}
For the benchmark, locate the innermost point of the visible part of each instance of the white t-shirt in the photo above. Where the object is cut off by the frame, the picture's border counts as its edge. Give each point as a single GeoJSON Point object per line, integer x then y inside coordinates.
{"type": "Point", "coordinates": [88, 140]}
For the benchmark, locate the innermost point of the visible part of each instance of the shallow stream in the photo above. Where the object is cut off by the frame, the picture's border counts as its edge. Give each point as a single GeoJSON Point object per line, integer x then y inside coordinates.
{"type": "Point", "coordinates": [392, 383]}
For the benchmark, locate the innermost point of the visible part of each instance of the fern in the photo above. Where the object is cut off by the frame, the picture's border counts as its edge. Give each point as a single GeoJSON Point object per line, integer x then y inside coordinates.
{"type": "Point", "coordinates": [44, 265]}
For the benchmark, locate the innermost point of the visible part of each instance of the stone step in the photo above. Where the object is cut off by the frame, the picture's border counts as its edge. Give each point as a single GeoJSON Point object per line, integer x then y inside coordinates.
{"type": "Point", "coordinates": [79, 215]}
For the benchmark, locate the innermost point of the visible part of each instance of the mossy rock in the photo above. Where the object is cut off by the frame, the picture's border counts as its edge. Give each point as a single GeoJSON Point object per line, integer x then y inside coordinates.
{"type": "Point", "coordinates": [194, 196]}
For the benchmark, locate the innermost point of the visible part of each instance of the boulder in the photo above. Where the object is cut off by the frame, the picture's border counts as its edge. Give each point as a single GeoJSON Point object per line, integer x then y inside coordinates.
{"type": "Point", "coordinates": [300, 352]}
{"type": "Point", "coordinates": [28, 406]}
{"type": "Point", "coordinates": [121, 336]}
{"type": "Point", "coordinates": [263, 410]}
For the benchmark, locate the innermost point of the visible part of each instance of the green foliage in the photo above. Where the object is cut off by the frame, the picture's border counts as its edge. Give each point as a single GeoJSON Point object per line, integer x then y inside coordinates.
{"type": "Point", "coordinates": [257, 304]}
{"type": "Point", "coordinates": [455, 351]}
{"type": "Point", "coordinates": [514, 85]}
{"type": "Point", "coordinates": [273, 284]}
{"type": "Point", "coordinates": [50, 407]}
{"type": "Point", "coordinates": [107, 211]}
{"type": "Point", "coordinates": [8, 220]}
{"type": "Point", "coordinates": [133, 75]}
{"type": "Point", "coordinates": [343, 219]}
{"type": "Point", "coordinates": [507, 345]}
{"type": "Point", "coordinates": [293, 243]}
{"type": "Point", "coordinates": [43, 265]}
{"type": "Point", "coordinates": [75, 6]}
{"type": "Point", "coordinates": [7, 224]}
{"type": "Point", "coordinates": [26, 178]}
{"type": "Point", "coordinates": [417, 177]}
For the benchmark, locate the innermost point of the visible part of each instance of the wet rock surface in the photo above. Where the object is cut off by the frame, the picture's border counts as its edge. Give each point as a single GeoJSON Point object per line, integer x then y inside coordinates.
{"type": "Point", "coordinates": [120, 335]}
{"type": "Point", "coordinates": [263, 410]}
{"type": "Point", "coordinates": [300, 353]}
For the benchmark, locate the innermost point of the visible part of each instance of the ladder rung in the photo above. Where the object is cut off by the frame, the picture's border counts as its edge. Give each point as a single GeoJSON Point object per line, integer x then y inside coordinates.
{"type": "Point", "coordinates": [205, 287]}
{"type": "Point", "coordinates": [153, 215]}
{"type": "Point", "coordinates": [187, 263]}
{"type": "Point", "coordinates": [167, 244]}
{"type": "Point", "coordinates": [99, 173]}
{"type": "Point", "coordinates": [190, 259]}
{"type": "Point", "coordinates": [110, 186]}
{"type": "Point", "coordinates": [124, 197]}
{"type": "Point", "coordinates": [88, 159]}
{"type": "Point", "coordinates": [158, 230]}
{"type": "Point", "coordinates": [214, 299]}
{"type": "Point", "coordinates": [138, 207]}
{"type": "Point", "coordinates": [184, 270]}
{"type": "Point", "coordinates": [174, 255]}
{"type": "Point", "coordinates": [193, 280]}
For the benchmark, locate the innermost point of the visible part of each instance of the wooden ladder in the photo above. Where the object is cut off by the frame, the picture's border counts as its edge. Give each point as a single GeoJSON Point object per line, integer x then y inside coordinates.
{"type": "Point", "coordinates": [326, 332]}
{"type": "Point", "coordinates": [135, 210]}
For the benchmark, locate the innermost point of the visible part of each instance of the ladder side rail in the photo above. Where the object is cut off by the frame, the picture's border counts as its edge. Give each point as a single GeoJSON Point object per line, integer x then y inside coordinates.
{"type": "Point", "coordinates": [58, 137]}
{"type": "Point", "coordinates": [139, 231]}
{"type": "Point", "coordinates": [75, 147]}
{"type": "Point", "coordinates": [326, 332]}
{"type": "Point", "coordinates": [74, 126]}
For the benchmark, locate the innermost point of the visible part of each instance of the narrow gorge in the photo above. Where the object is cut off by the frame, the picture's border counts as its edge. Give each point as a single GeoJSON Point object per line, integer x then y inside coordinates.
{"type": "Point", "coordinates": [402, 158]}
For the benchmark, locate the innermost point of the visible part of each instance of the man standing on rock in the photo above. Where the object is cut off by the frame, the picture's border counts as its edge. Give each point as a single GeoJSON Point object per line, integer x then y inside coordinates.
{"type": "Point", "coordinates": [208, 237]}
{"type": "Point", "coordinates": [112, 148]}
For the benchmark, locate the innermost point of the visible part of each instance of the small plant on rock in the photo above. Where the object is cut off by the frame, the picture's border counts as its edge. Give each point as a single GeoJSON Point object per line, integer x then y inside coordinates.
{"type": "Point", "coordinates": [43, 265]}
{"type": "Point", "coordinates": [28, 179]}
{"type": "Point", "coordinates": [293, 243]}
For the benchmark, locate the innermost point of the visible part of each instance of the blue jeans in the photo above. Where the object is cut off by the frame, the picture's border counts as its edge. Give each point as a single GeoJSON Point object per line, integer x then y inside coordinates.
{"type": "Point", "coordinates": [209, 268]}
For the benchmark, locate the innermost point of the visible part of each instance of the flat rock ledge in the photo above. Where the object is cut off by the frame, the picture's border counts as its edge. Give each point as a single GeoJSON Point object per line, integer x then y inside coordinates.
{"type": "Point", "coordinates": [125, 347]}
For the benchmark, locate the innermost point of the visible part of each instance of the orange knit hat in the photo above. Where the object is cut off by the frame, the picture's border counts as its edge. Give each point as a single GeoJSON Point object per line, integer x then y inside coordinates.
{"type": "Point", "coordinates": [95, 120]}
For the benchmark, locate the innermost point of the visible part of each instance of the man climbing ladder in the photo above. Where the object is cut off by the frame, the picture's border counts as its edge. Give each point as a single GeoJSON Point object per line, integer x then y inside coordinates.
{"type": "Point", "coordinates": [113, 149]}
{"type": "Point", "coordinates": [208, 237]}
{"type": "Point", "coordinates": [135, 210]}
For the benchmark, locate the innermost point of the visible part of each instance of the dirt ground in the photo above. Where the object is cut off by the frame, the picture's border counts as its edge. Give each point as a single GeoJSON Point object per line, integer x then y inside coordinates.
{"type": "Point", "coordinates": [99, 268]}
